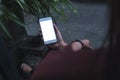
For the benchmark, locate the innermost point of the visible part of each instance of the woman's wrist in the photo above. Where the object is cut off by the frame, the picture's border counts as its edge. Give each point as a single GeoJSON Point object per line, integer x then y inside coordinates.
{"type": "Point", "coordinates": [79, 41]}
{"type": "Point", "coordinates": [77, 45]}
{"type": "Point", "coordinates": [59, 45]}
{"type": "Point", "coordinates": [62, 43]}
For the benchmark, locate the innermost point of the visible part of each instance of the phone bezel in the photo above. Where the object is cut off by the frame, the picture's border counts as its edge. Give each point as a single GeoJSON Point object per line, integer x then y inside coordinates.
{"type": "Point", "coordinates": [49, 41]}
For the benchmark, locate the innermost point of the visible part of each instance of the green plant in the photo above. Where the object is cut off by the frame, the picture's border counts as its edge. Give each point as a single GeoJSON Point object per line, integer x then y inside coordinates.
{"type": "Point", "coordinates": [34, 7]}
{"type": "Point", "coordinates": [37, 7]}
{"type": "Point", "coordinates": [6, 15]}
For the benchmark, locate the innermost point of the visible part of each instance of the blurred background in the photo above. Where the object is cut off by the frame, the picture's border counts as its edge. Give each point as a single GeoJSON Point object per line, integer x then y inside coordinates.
{"type": "Point", "coordinates": [76, 19]}
{"type": "Point", "coordinates": [91, 23]}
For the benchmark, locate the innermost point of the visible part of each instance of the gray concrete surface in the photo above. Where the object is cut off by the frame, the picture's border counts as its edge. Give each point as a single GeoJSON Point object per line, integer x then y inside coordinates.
{"type": "Point", "coordinates": [90, 24]}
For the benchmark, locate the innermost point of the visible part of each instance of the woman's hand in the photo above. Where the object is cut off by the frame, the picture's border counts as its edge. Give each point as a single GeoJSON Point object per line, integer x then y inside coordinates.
{"type": "Point", "coordinates": [76, 46]}
{"type": "Point", "coordinates": [60, 42]}
{"type": "Point", "coordinates": [87, 43]}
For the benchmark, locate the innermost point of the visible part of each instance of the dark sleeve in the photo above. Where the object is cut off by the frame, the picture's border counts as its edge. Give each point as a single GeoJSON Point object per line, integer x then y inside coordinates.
{"type": "Point", "coordinates": [7, 66]}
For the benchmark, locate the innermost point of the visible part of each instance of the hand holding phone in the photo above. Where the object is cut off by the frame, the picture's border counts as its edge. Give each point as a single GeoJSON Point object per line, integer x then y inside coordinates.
{"type": "Point", "coordinates": [47, 28]}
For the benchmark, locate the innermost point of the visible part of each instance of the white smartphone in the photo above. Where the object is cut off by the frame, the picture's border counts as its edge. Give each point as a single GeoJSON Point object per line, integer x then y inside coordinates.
{"type": "Point", "coordinates": [48, 31]}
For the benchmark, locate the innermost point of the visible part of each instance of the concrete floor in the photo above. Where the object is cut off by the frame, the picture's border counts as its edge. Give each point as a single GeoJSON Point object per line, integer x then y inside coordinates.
{"type": "Point", "coordinates": [90, 24]}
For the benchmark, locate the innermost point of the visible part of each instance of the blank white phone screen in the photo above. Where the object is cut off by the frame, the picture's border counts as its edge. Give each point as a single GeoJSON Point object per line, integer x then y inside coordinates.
{"type": "Point", "coordinates": [48, 30]}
